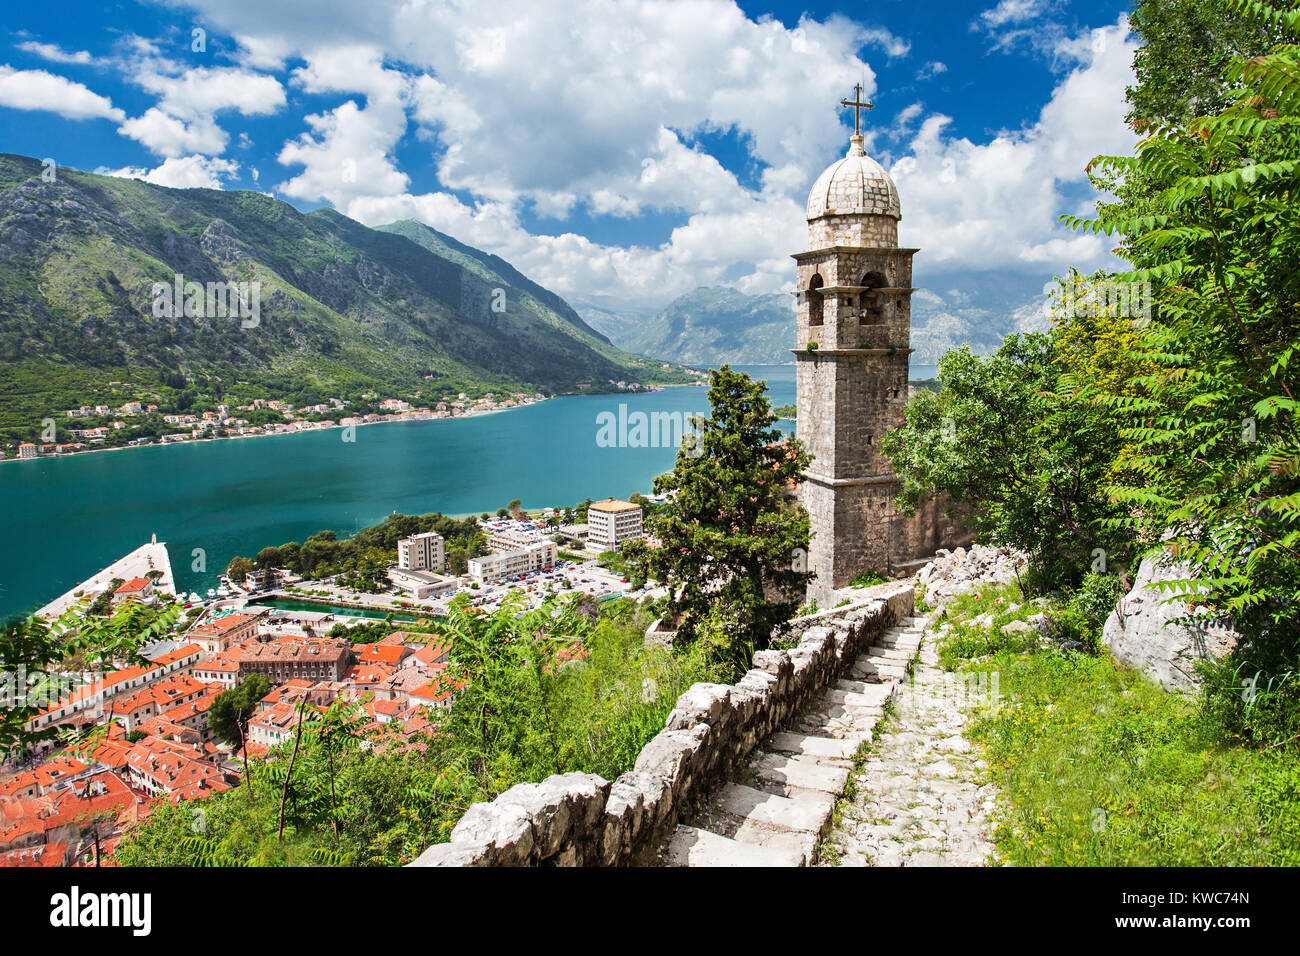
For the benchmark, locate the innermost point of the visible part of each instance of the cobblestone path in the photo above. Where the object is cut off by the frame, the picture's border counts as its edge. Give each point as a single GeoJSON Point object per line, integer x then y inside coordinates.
{"type": "Point", "coordinates": [918, 799]}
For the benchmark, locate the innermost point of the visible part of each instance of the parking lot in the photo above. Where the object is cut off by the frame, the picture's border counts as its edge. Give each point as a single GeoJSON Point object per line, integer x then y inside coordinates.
{"type": "Point", "coordinates": [565, 578]}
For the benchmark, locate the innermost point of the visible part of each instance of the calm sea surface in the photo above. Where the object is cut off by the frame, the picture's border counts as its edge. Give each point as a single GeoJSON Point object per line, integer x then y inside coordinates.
{"type": "Point", "coordinates": [67, 518]}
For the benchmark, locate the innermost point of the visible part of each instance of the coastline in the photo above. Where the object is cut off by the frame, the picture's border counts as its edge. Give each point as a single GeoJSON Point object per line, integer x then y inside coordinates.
{"type": "Point", "coordinates": [479, 413]}
{"type": "Point", "coordinates": [285, 434]}
{"type": "Point", "coordinates": [151, 556]}
{"type": "Point", "coordinates": [204, 522]}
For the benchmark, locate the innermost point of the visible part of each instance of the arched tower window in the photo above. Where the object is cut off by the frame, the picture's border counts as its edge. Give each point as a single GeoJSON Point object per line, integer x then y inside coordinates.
{"type": "Point", "coordinates": [872, 302]}
{"type": "Point", "coordinates": [815, 300]}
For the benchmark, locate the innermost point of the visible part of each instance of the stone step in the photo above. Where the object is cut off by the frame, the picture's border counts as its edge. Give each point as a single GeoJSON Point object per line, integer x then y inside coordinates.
{"type": "Point", "coordinates": [787, 774]}
{"type": "Point", "coordinates": [851, 700]}
{"type": "Point", "coordinates": [877, 694]}
{"type": "Point", "coordinates": [691, 846]}
{"type": "Point", "coordinates": [800, 844]}
{"type": "Point", "coordinates": [899, 640]}
{"type": "Point", "coordinates": [778, 816]}
{"type": "Point", "coordinates": [855, 729]}
{"type": "Point", "coordinates": [881, 660]}
{"type": "Point", "coordinates": [895, 653]}
{"type": "Point", "coordinates": [806, 745]}
{"type": "Point", "coordinates": [877, 670]}
{"type": "Point", "coordinates": [804, 813]}
{"type": "Point", "coordinates": [830, 714]}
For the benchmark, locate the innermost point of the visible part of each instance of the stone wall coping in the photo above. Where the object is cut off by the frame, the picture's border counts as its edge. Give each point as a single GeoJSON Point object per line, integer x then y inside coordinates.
{"type": "Point", "coordinates": [804, 353]}
{"type": "Point", "coordinates": [829, 251]}
{"type": "Point", "coordinates": [855, 289]}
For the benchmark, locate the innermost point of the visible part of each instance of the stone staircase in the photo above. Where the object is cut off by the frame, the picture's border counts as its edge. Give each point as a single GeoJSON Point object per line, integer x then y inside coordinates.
{"type": "Point", "coordinates": [778, 805]}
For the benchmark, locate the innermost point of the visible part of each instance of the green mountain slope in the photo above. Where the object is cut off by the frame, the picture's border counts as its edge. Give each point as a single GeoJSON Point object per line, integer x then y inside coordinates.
{"type": "Point", "coordinates": [344, 309]}
{"type": "Point", "coordinates": [716, 324]}
{"type": "Point", "coordinates": [492, 269]}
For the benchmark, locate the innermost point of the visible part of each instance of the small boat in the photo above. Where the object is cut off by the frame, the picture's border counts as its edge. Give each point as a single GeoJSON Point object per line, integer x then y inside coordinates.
{"type": "Point", "coordinates": [223, 591]}
{"type": "Point", "coordinates": [212, 593]}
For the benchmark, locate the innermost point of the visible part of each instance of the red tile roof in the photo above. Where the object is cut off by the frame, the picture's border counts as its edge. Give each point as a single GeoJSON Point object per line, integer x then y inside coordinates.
{"type": "Point", "coordinates": [44, 776]}
{"type": "Point", "coordinates": [381, 653]}
{"type": "Point", "coordinates": [47, 854]}
{"type": "Point", "coordinates": [435, 652]}
{"type": "Point", "coordinates": [218, 627]}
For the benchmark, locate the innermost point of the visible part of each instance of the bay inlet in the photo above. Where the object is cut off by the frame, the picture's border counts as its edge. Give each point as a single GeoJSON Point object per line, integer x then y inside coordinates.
{"type": "Point", "coordinates": [209, 501]}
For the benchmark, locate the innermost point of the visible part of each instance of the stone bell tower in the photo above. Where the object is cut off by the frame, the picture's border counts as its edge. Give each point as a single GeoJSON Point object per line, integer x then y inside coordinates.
{"type": "Point", "coordinates": [854, 321]}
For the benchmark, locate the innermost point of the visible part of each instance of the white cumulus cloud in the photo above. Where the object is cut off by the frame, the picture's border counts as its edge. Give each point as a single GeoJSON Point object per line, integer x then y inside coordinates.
{"type": "Point", "coordinates": [184, 119]}
{"type": "Point", "coordinates": [40, 90]}
{"type": "Point", "coordinates": [543, 112]}
{"type": "Point", "coordinates": [183, 172]}
{"type": "Point", "coordinates": [56, 54]}
{"type": "Point", "coordinates": [992, 204]}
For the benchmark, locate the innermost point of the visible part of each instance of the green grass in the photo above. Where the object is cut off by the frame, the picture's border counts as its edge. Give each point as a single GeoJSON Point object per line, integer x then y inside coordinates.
{"type": "Point", "coordinates": [1098, 766]}
{"type": "Point", "coordinates": [868, 578]}
{"type": "Point", "coordinates": [965, 641]}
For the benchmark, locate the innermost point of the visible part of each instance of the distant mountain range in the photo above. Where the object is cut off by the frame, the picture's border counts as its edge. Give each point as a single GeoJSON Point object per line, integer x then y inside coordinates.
{"type": "Point", "coordinates": [343, 309]}
{"type": "Point", "coordinates": [715, 324]}
{"type": "Point", "coordinates": [978, 309]}
{"type": "Point", "coordinates": [709, 326]}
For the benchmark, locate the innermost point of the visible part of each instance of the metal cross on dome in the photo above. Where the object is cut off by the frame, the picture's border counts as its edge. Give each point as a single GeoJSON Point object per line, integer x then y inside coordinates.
{"type": "Point", "coordinates": [858, 105]}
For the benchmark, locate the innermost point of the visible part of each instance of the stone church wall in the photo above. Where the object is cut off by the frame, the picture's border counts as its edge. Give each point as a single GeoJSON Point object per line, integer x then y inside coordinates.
{"type": "Point", "coordinates": [917, 537]}
{"type": "Point", "coordinates": [852, 231]}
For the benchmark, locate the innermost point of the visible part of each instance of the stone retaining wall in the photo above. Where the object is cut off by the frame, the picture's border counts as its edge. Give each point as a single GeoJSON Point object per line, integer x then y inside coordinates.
{"type": "Point", "coordinates": [581, 819]}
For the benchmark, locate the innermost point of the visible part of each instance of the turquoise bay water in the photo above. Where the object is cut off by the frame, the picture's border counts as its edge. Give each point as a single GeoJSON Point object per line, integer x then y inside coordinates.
{"type": "Point", "coordinates": [67, 518]}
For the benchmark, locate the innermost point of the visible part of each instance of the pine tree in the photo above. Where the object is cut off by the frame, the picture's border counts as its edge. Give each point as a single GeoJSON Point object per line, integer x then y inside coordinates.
{"type": "Point", "coordinates": [729, 539]}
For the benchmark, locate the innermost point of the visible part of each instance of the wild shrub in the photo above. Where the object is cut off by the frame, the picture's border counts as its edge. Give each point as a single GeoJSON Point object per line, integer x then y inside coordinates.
{"type": "Point", "coordinates": [1079, 619]}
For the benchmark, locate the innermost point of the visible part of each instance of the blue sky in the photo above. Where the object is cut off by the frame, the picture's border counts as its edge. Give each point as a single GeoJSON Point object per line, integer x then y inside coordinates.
{"type": "Point", "coordinates": [619, 152]}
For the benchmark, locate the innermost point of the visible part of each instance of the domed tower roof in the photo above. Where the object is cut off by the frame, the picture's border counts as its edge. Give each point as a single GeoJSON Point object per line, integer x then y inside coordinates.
{"type": "Point", "coordinates": [856, 185]}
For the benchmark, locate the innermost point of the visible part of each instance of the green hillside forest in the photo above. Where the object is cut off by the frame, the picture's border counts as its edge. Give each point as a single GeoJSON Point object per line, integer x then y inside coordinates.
{"type": "Point", "coordinates": [344, 310]}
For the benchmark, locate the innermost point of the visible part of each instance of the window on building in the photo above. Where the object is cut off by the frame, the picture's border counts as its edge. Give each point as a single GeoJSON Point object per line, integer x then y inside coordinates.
{"type": "Point", "coordinates": [815, 300]}
{"type": "Point", "coordinates": [871, 302]}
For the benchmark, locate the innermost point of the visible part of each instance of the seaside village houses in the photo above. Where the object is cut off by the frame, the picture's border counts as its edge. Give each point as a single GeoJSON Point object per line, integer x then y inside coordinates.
{"type": "Point", "coordinates": [156, 742]}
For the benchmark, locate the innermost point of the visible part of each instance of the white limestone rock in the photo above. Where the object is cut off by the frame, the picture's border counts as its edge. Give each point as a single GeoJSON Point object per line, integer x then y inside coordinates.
{"type": "Point", "coordinates": [1140, 635]}
{"type": "Point", "coordinates": [962, 570]}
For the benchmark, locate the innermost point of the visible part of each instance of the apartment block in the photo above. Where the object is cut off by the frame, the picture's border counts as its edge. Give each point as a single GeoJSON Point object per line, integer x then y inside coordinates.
{"type": "Point", "coordinates": [610, 523]}
{"type": "Point", "coordinates": [503, 564]}
{"type": "Point", "coordinates": [422, 552]}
